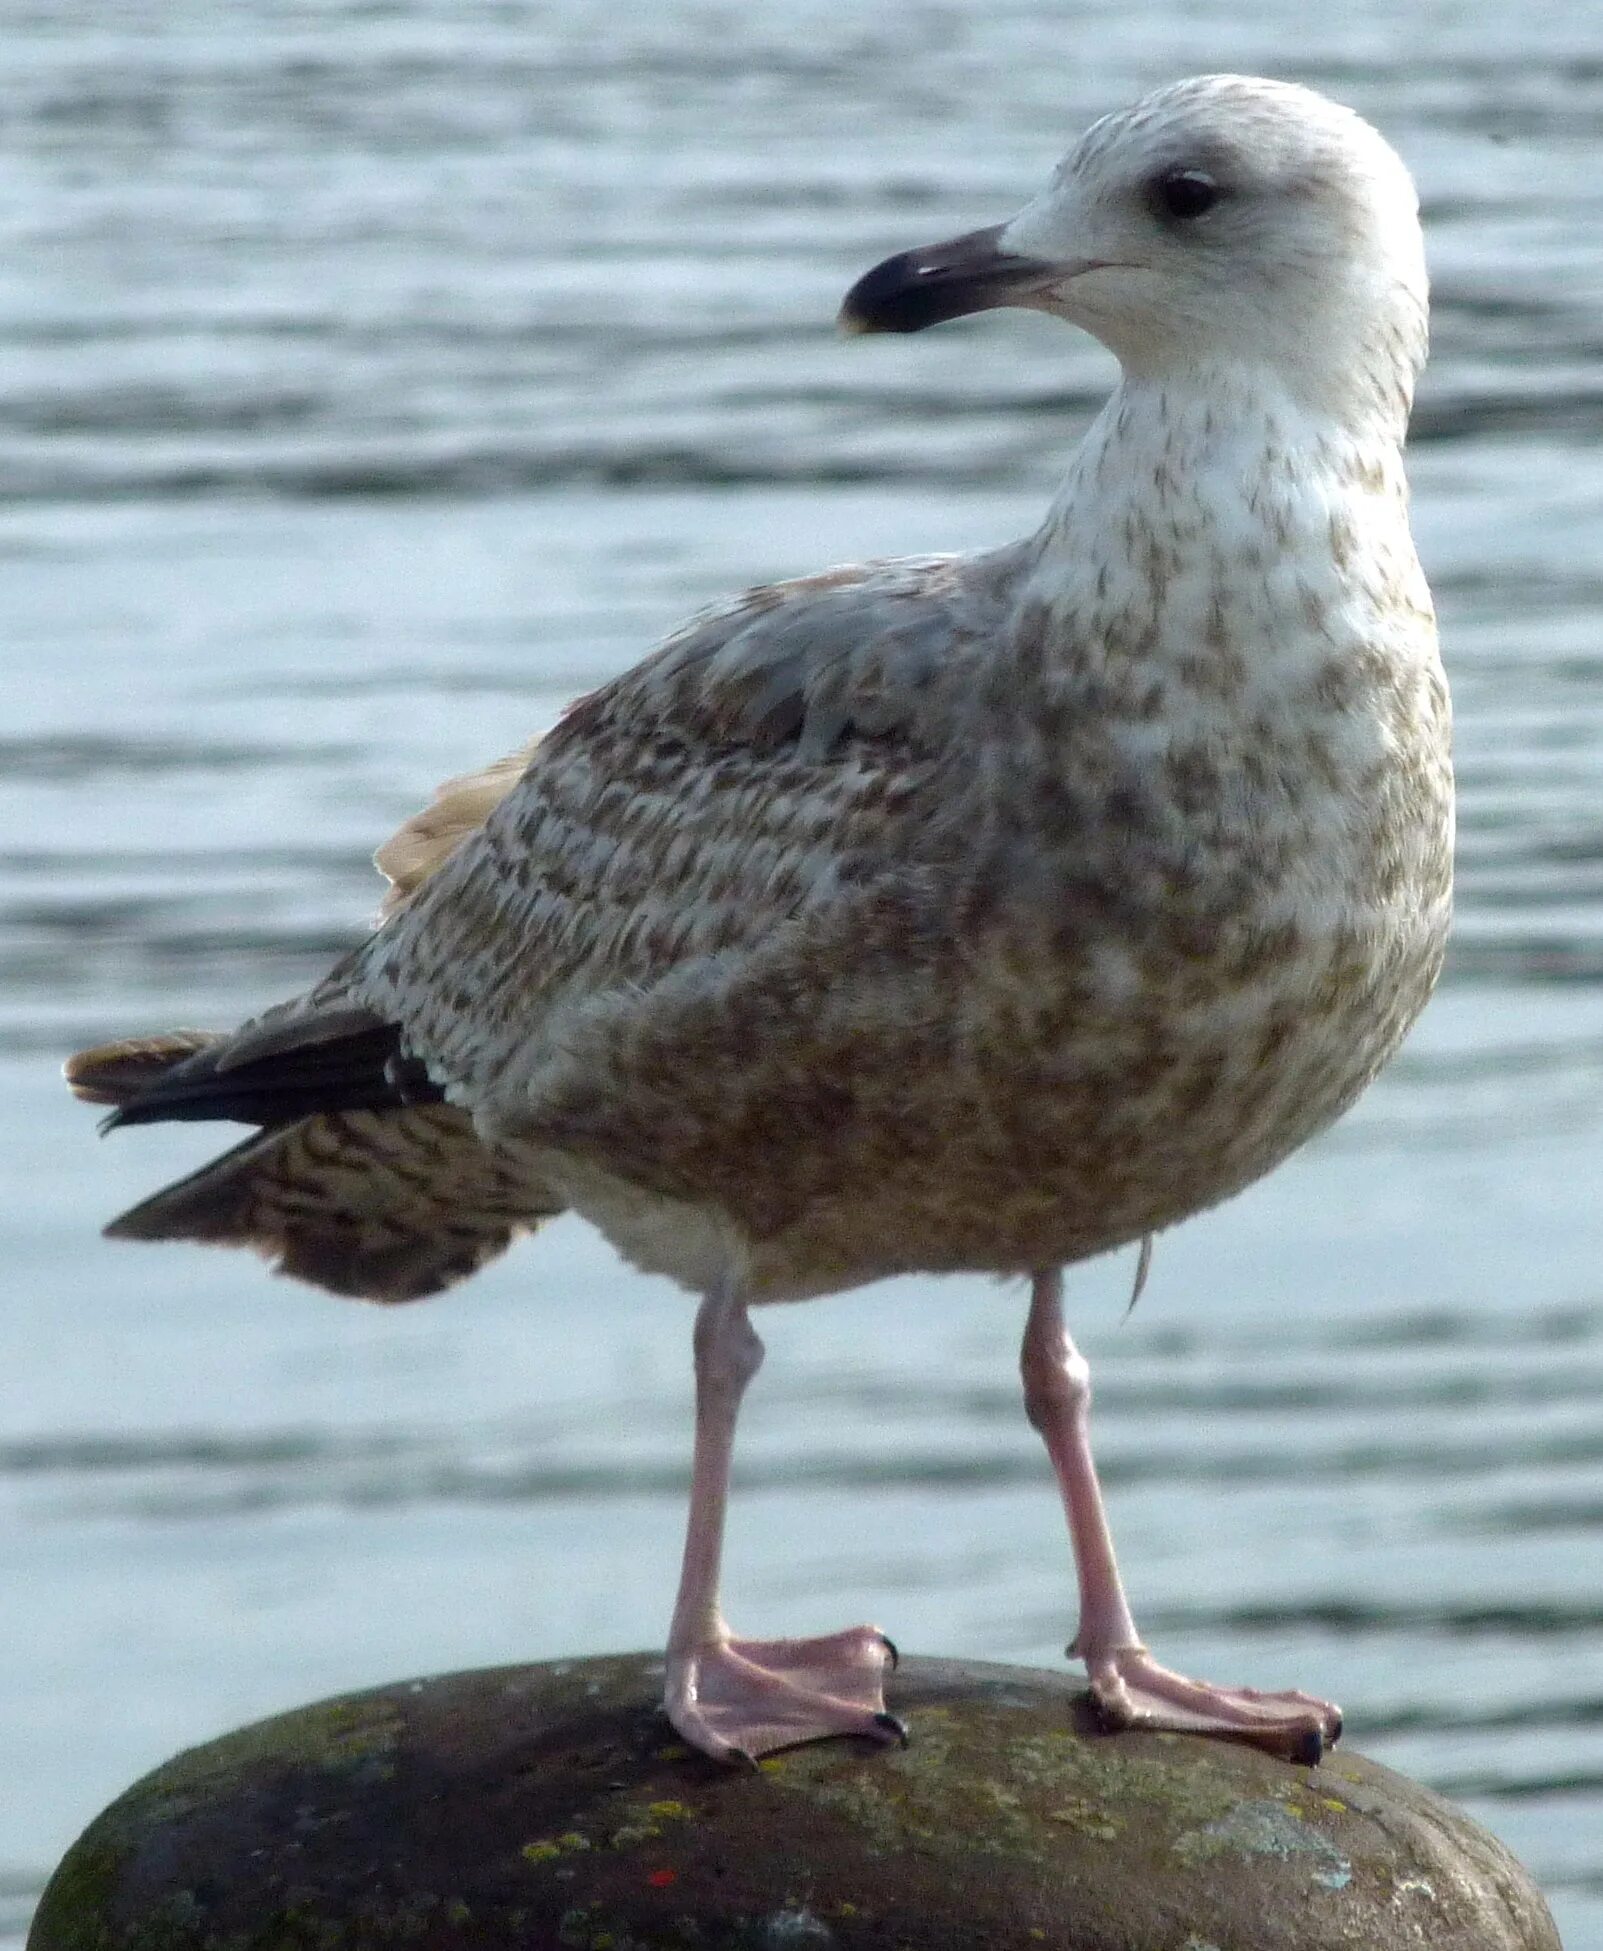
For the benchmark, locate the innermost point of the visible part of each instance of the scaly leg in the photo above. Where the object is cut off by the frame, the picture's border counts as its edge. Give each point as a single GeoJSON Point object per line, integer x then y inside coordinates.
{"type": "Point", "coordinates": [737, 1699]}
{"type": "Point", "coordinates": [1127, 1684]}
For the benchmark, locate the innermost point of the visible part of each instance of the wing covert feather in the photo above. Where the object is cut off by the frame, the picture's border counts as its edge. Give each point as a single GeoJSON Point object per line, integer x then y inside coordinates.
{"type": "Point", "coordinates": [776, 757]}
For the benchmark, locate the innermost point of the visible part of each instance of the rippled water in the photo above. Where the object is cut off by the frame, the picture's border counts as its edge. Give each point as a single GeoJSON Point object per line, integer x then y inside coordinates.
{"type": "Point", "coordinates": [378, 375]}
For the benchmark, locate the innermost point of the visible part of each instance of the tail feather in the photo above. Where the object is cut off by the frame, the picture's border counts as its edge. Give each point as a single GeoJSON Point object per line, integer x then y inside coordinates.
{"type": "Point", "coordinates": [364, 1181]}
{"type": "Point", "coordinates": [381, 1206]}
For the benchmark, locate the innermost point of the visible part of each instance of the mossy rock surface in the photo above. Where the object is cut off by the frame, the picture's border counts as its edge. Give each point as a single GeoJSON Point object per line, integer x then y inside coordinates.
{"type": "Point", "coordinates": [551, 1806]}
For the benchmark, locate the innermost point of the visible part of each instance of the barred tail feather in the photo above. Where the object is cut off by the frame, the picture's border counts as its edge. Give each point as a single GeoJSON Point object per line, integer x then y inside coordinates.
{"type": "Point", "coordinates": [377, 1205]}
{"type": "Point", "coordinates": [386, 1204]}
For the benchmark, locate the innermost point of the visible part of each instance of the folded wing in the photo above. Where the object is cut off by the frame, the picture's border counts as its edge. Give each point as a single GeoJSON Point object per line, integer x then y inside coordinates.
{"type": "Point", "coordinates": [706, 832]}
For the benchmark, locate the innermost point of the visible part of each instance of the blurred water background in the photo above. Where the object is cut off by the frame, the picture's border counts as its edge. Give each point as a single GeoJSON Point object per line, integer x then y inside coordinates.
{"type": "Point", "coordinates": [379, 373]}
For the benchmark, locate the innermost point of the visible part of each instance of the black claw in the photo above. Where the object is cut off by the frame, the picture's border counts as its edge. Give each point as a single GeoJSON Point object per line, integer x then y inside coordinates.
{"type": "Point", "coordinates": [1107, 1717]}
{"type": "Point", "coordinates": [890, 1647]}
{"type": "Point", "coordinates": [743, 1758]}
{"type": "Point", "coordinates": [1309, 1749]}
{"type": "Point", "coordinates": [892, 1726]}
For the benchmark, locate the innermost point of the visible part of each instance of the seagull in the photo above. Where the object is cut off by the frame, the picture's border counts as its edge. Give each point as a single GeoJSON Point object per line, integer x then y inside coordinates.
{"type": "Point", "coordinates": [956, 913]}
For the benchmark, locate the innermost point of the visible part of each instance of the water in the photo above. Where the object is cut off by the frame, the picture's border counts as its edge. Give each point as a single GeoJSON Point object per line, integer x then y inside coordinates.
{"type": "Point", "coordinates": [375, 377]}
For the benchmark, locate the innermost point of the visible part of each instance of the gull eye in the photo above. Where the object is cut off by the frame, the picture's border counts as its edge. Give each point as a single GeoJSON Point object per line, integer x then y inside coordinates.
{"type": "Point", "coordinates": [1182, 194]}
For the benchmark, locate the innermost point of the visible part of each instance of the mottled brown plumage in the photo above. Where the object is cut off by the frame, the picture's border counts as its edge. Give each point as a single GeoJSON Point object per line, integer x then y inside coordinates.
{"type": "Point", "coordinates": [978, 912]}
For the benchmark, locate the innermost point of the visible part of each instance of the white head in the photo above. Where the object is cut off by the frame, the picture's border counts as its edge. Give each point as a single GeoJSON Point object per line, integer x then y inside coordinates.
{"type": "Point", "coordinates": [1220, 221]}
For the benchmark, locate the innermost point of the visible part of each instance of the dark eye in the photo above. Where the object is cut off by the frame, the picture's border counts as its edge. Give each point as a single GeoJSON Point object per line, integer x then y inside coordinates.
{"type": "Point", "coordinates": [1184, 193]}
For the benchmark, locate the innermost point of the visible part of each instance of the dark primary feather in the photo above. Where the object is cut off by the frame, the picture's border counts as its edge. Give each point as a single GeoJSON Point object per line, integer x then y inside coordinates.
{"type": "Point", "coordinates": [364, 1069]}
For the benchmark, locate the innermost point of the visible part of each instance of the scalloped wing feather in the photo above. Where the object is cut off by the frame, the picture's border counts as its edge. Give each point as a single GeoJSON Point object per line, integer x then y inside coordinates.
{"type": "Point", "coordinates": [776, 761]}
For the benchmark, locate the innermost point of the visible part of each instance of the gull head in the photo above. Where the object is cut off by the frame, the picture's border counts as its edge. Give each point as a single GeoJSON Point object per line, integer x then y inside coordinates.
{"type": "Point", "coordinates": [1220, 221]}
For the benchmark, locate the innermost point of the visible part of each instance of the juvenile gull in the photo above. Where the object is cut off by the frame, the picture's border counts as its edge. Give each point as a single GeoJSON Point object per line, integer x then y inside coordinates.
{"type": "Point", "coordinates": [975, 912]}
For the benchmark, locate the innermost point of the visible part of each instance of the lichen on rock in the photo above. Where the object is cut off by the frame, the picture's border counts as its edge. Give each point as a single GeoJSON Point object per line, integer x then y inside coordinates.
{"type": "Point", "coordinates": [548, 1806]}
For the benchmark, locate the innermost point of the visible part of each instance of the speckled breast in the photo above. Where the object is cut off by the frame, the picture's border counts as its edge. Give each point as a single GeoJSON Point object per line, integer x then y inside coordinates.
{"type": "Point", "coordinates": [1140, 1056]}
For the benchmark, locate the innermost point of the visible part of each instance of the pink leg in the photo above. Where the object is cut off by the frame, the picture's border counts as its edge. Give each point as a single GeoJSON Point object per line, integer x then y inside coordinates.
{"type": "Point", "coordinates": [1127, 1684]}
{"type": "Point", "coordinates": [738, 1699]}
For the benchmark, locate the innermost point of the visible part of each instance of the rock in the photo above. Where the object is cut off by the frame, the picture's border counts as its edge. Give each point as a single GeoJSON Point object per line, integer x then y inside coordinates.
{"type": "Point", "coordinates": [551, 1806]}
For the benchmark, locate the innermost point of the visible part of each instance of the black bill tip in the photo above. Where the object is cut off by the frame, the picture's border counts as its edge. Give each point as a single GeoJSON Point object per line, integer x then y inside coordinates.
{"type": "Point", "coordinates": [915, 289]}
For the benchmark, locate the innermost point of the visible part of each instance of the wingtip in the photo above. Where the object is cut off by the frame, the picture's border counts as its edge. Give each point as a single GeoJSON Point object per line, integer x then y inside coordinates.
{"type": "Point", "coordinates": [117, 1073]}
{"type": "Point", "coordinates": [79, 1073]}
